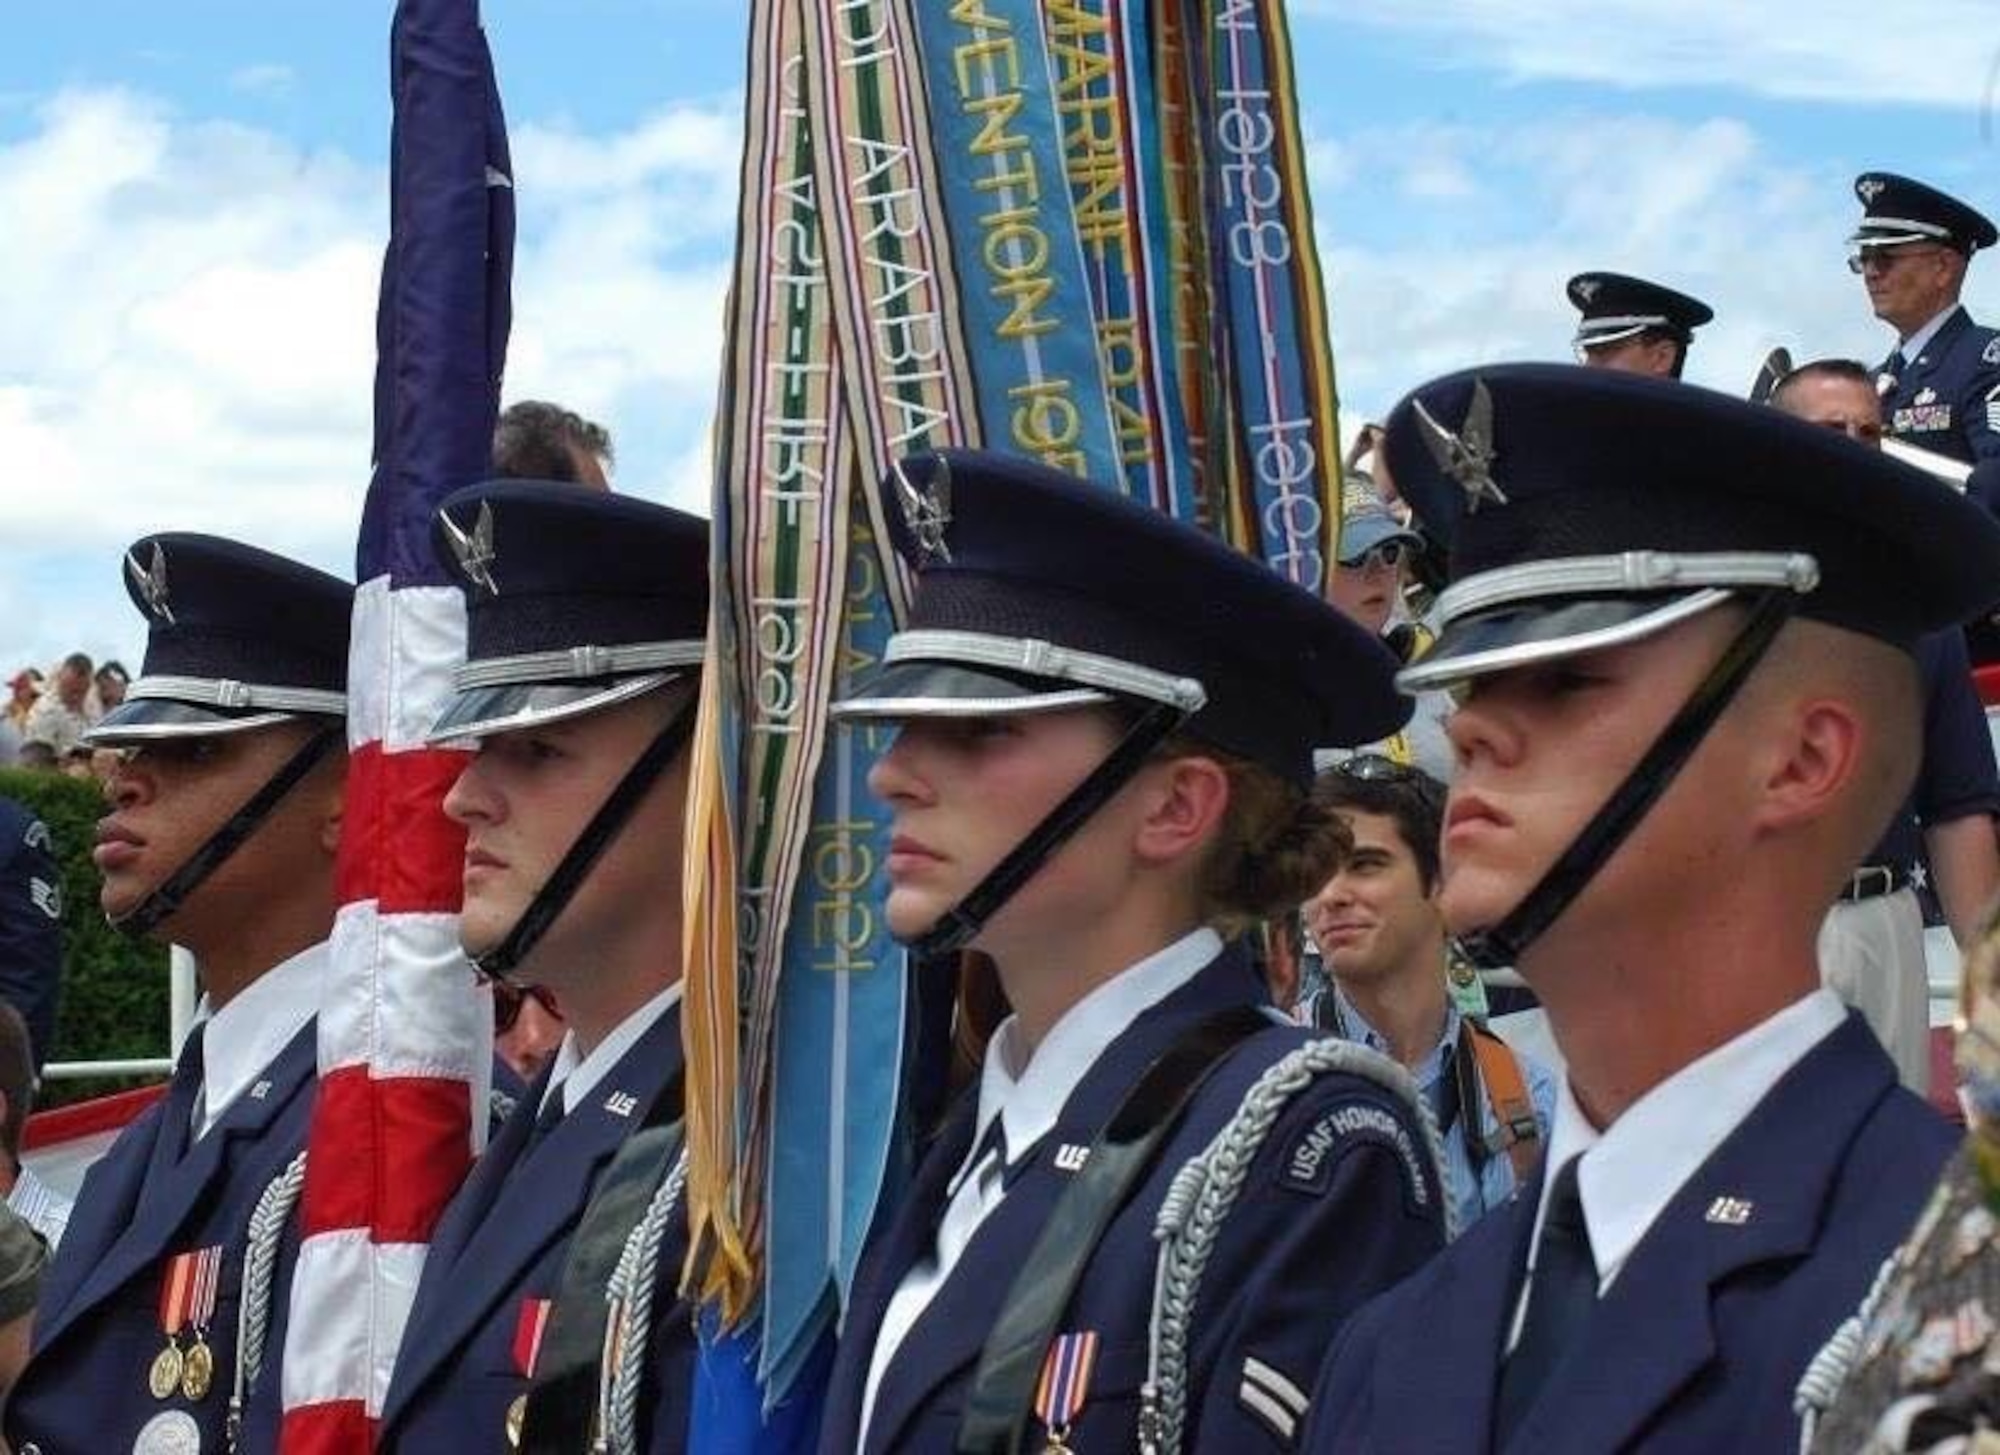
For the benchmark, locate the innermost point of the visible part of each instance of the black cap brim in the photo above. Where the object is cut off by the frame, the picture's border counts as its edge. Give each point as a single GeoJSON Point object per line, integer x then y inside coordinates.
{"type": "Point", "coordinates": [479, 712]}
{"type": "Point", "coordinates": [947, 689]}
{"type": "Point", "coordinates": [1509, 638]}
{"type": "Point", "coordinates": [150, 719]}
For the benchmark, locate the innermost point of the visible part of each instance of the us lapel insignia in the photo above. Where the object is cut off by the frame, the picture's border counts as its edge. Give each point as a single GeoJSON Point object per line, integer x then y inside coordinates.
{"type": "Point", "coordinates": [151, 580]}
{"type": "Point", "coordinates": [926, 509]}
{"type": "Point", "coordinates": [621, 1103]}
{"type": "Point", "coordinates": [474, 549]}
{"type": "Point", "coordinates": [1071, 1156]}
{"type": "Point", "coordinates": [1731, 1212]}
{"type": "Point", "coordinates": [1467, 453]}
{"type": "Point", "coordinates": [261, 1090]}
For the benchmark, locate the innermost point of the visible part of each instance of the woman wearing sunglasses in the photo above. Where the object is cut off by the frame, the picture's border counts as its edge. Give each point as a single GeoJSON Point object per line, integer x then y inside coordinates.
{"type": "Point", "coordinates": [1105, 732]}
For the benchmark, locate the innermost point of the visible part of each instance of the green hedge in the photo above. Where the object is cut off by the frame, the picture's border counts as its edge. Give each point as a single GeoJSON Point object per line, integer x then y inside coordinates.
{"type": "Point", "coordinates": [114, 992]}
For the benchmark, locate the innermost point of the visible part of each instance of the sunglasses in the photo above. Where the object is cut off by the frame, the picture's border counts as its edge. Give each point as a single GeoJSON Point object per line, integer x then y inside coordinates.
{"type": "Point", "coordinates": [1375, 768]}
{"type": "Point", "coordinates": [1885, 259]}
{"type": "Point", "coordinates": [1388, 556]}
{"type": "Point", "coordinates": [508, 1001]}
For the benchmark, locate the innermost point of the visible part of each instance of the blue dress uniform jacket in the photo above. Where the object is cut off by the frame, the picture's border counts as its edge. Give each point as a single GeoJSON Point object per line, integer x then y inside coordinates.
{"type": "Point", "coordinates": [1701, 1339]}
{"type": "Point", "coordinates": [504, 1240]}
{"type": "Point", "coordinates": [31, 948]}
{"type": "Point", "coordinates": [154, 1195]}
{"type": "Point", "coordinates": [1947, 400]}
{"type": "Point", "coordinates": [1325, 1219]}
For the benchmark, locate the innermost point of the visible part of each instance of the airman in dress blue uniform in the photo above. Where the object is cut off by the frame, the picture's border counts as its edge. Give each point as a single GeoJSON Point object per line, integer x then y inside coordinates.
{"type": "Point", "coordinates": [1632, 325]}
{"type": "Point", "coordinates": [1666, 603]}
{"type": "Point", "coordinates": [1105, 733]}
{"type": "Point", "coordinates": [31, 911]}
{"type": "Point", "coordinates": [585, 629]}
{"type": "Point", "coordinates": [1941, 384]}
{"type": "Point", "coordinates": [223, 824]}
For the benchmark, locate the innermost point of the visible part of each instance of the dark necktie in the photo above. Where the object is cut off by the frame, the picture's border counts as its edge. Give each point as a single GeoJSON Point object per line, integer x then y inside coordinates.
{"type": "Point", "coordinates": [1891, 377]}
{"type": "Point", "coordinates": [551, 1113]}
{"type": "Point", "coordinates": [1562, 1290]}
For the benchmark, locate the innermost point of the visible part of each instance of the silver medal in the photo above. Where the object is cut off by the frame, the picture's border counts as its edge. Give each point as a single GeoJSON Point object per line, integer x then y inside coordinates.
{"type": "Point", "coordinates": [170, 1432]}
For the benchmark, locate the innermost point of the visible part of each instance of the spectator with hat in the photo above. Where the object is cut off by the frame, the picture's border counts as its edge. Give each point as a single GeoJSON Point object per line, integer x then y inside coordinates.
{"type": "Point", "coordinates": [1683, 628]}
{"type": "Point", "coordinates": [1940, 385]}
{"type": "Point", "coordinates": [1632, 325]}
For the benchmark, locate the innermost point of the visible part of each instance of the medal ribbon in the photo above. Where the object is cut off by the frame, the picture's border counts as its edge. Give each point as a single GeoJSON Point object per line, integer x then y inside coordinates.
{"type": "Point", "coordinates": [189, 1290]}
{"type": "Point", "coordinates": [529, 1326]}
{"type": "Point", "coordinates": [1065, 1382]}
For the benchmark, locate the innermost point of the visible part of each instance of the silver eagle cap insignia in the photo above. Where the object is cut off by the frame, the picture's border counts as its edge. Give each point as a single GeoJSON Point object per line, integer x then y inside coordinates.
{"type": "Point", "coordinates": [1586, 289]}
{"type": "Point", "coordinates": [151, 579]}
{"type": "Point", "coordinates": [1466, 455]}
{"type": "Point", "coordinates": [926, 509]}
{"type": "Point", "coordinates": [474, 551]}
{"type": "Point", "coordinates": [1870, 188]}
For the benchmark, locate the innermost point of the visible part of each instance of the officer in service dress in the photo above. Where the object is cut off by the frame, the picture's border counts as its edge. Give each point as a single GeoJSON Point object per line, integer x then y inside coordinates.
{"type": "Point", "coordinates": [1104, 723]}
{"type": "Point", "coordinates": [1682, 628]}
{"type": "Point", "coordinates": [223, 822]}
{"type": "Point", "coordinates": [585, 622]}
{"type": "Point", "coordinates": [1918, 1367]}
{"type": "Point", "coordinates": [1632, 325]}
{"type": "Point", "coordinates": [1941, 384]}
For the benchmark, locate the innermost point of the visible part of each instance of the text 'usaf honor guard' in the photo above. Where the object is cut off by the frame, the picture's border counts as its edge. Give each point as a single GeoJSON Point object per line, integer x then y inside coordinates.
{"type": "Point", "coordinates": [161, 1326]}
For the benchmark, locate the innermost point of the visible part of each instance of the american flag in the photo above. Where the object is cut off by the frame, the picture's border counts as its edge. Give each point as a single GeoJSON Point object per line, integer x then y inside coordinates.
{"type": "Point", "coordinates": [404, 1032]}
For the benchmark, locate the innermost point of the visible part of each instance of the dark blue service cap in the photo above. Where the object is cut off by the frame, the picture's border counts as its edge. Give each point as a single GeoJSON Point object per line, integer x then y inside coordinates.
{"type": "Point", "coordinates": [1583, 509]}
{"type": "Point", "coordinates": [574, 600]}
{"type": "Point", "coordinates": [236, 638]}
{"type": "Point", "coordinates": [1037, 591]}
{"type": "Point", "coordinates": [1616, 307]}
{"type": "Point", "coordinates": [1899, 210]}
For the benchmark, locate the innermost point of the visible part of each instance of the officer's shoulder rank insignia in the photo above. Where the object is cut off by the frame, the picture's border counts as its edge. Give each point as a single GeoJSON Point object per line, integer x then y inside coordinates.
{"type": "Point", "coordinates": [1467, 453]}
{"type": "Point", "coordinates": [473, 549]}
{"type": "Point", "coordinates": [926, 509]}
{"type": "Point", "coordinates": [151, 581]}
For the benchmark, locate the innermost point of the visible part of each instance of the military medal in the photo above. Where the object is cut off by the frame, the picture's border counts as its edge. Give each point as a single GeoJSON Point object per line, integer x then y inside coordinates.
{"type": "Point", "coordinates": [187, 1301]}
{"type": "Point", "coordinates": [529, 1326]}
{"type": "Point", "coordinates": [1064, 1385]}
{"type": "Point", "coordinates": [170, 1432]}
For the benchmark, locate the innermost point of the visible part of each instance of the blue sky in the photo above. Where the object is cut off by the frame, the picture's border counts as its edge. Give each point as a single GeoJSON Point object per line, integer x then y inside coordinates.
{"type": "Point", "coordinates": [192, 196]}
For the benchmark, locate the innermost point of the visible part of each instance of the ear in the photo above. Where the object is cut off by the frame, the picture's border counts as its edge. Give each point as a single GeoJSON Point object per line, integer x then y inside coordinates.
{"type": "Point", "coordinates": [333, 806]}
{"type": "Point", "coordinates": [1185, 806]}
{"type": "Point", "coordinates": [1808, 775]}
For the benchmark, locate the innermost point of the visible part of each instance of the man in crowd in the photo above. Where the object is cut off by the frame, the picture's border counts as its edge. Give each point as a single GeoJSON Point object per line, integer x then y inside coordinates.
{"type": "Point", "coordinates": [1872, 945]}
{"type": "Point", "coordinates": [31, 941]}
{"type": "Point", "coordinates": [224, 819]}
{"type": "Point", "coordinates": [39, 1205]}
{"type": "Point", "coordinates": [60, 716]}
{"type": "Point", "coordinates": [1940, 386]}
{"type": "Point", "coordinates": [1382, 941]}
{"type": "Point", "coordinates": [1689, 705]}
{"type": "Point", "coordinates": [535, 440]}
{"type": "Point", "coordinates": [572, 807]}
{"type": "Point", "coordinates": [108, 688]}
{"type": "Point", "coordinates": [1632, 325]}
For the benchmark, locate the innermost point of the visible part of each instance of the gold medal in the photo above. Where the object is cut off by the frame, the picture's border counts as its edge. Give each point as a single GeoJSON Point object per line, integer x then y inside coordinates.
{"type": "Point", "coordinates": [165, 1376]}
{"type": "Point", "coordinates": [517, 1419]}
{"type": "Point", "coordinates": [198, 1371]}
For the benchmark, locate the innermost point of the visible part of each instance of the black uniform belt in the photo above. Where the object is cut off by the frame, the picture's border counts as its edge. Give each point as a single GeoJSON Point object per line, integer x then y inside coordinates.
{"type": "Point", "coordinates": [1871, 881]}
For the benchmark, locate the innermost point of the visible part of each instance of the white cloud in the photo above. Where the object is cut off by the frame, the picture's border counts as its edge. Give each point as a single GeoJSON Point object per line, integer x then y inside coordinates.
{"type": "Point", "coordinates": [1942, 53]}
{"type": "Point", "coordinates": [1477, 275]}
{"type": "Point", "coordinates": [268, 79]}
{"type": "Point", "coordinates": [187, 331]}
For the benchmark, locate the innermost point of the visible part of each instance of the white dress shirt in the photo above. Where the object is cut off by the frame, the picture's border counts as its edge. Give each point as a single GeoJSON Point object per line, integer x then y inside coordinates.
{"type": "Point", "coordinates": [246, 1035]}
{"type": "Point", "coordinates": [1026, 1092]}
{"type": "Point", "coordinates": [1912, 348]}
{"type": "Point", "coordinates": [1636, 1166]}
{"type": "Point", "coordinates": [575, 1076]}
